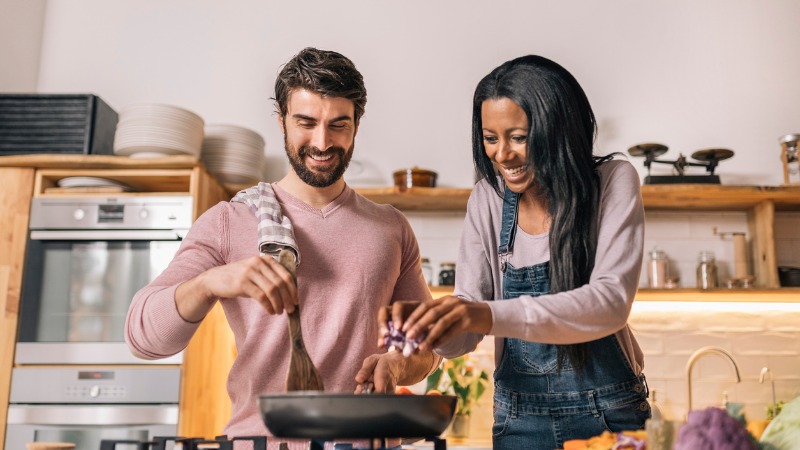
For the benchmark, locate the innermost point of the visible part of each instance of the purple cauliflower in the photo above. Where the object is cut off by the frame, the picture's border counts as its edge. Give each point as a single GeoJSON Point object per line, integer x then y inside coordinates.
{"type": "Point", "coordinates": [396, 339]}
{"type": "Point", "coordinates": [713, 429]}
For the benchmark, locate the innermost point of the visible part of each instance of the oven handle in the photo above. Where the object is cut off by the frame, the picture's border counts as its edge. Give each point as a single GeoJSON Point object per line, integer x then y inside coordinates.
{"type": "Point", "coordinates": [92, 414]}
{"type": "Point", "coordinates": [107, 235]}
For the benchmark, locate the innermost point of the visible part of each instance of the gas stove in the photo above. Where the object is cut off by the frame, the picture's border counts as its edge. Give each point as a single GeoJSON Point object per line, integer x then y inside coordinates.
{"type": "Point", "coordinates": [224, 443]}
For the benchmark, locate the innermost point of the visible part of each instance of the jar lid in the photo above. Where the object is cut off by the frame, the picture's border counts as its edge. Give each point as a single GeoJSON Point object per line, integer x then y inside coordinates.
{"type": "Point", "coordinates": [658, 254]}
{"type": "Point", "coordinates": [705, 256]}
{"type": "Point", "coordinates": [414, 171]}
{"type": "Point", "coordinates": [448, 265]}
{"type": "Point", "coordinates": [425, 260]}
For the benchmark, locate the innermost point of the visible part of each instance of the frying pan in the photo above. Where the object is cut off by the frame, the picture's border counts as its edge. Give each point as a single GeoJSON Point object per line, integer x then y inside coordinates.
{"type": "Point", "coordinates": [319, 415]}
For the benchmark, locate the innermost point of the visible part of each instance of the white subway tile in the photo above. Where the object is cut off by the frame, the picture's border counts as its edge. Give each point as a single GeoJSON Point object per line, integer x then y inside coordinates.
{"type": "Point", "coordinates": [733, 321]}
{"type": "Point", "coordinates": [784, 367]}
{"type": "Point", "coordinates": [702, 225]}
{"type": "Point", "coordinates": [665, 225]}
{"type": "Point", "coordinates": [651, 343]}
{"type": "Point", "coordinates": [645, 321]}
{"type": "Point", "coordinates": [771, 343]}
{"type": "Point", "coordinates": [664, 367]}
{"type": "Point", "coordinates": [782, 321]}
{"type": "Point", "coordinates": [686, 344]}
{"type": "Point", "coordinates": [750, 365]}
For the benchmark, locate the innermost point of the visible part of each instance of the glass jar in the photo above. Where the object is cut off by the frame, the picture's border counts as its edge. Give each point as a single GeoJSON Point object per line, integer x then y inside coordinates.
{"type": "Point", "coordinates": [427, 270]}
{"type": "Point", "coordinates": [657, 271]}
{"type": "Point", "coordinates": [447, 274]}
{"type": "Point", "coordinates": [706, 270]}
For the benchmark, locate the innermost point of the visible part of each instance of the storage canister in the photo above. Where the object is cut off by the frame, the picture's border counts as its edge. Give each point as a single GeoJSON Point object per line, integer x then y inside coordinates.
{"type": "Point", "coordinates": [657, 269]}
{"type": "Point", "coordinates": [706, 270]}
{"type": "Point", "coordinates": [447, 274]}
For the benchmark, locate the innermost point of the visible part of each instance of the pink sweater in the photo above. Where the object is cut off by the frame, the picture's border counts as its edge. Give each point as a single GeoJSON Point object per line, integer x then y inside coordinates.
{"type": "Point", "coordinates": [357, 256]}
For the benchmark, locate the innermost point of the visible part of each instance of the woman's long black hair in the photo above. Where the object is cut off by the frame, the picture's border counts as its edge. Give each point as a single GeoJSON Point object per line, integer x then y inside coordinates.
{"type": "Point", "coordinates": [561, 134]}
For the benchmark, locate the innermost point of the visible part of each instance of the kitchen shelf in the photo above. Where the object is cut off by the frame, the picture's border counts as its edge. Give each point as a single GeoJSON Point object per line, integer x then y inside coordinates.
{"type": "Point", "coordinates": [419, 198]}
{"type": "Point", "coordinates": [780, 295]}
{"type": "Point", "coordinates": [655, 197]}
{"type": "Point", "coordinates": [719, 197]}
{"type": "Point", "coordinates": [142, 181]}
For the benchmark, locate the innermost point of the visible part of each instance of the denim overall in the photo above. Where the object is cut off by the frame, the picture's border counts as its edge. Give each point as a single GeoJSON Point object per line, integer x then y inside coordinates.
{"type": "Point", "coordinates": [535, 406]}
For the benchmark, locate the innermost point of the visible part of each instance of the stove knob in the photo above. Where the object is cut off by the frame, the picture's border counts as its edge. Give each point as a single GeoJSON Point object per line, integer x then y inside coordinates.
{"type": "Point", "coordinates": [144, 214]}
{"type": "Point", "coordinates": [94, 392]}
{"type": "Point", "coordinates": [78, 214]}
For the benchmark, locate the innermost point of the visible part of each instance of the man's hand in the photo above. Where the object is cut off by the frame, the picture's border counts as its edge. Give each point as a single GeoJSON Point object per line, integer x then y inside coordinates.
{"type": "Point", "coordinates": [259, 277]}
{"type": "Point", "coordinates": [383, 370]}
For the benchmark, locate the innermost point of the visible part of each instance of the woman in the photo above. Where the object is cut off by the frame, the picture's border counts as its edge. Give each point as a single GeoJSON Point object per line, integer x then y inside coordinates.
{"type": "Point", "coordinates": [556, 241]}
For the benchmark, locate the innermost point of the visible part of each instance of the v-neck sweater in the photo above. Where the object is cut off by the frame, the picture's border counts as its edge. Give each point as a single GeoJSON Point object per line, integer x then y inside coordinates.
{"type": "Point", "coordinates": [356, 257]}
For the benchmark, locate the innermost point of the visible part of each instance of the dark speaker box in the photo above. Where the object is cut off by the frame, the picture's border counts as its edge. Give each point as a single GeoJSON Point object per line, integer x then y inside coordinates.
{"type": "Point", "coordinates": [56, 123]}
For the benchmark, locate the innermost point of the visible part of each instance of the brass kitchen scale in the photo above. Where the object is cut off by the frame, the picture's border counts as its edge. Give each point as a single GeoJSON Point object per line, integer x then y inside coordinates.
{"type": "Point", "coordinates": [708, 158]}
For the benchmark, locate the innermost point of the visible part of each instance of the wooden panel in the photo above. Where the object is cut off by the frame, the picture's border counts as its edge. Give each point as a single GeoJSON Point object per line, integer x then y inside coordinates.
{"type": "Point", "coordinates": [16, 187]}
{"type": "Point", "coordinates": [718, 197]}
{"type": "Point", "coordinates": [761, 224]}
{"type": "Point", "coordinates": [97, 162]}
{"type": "Point", "coordinates": [782, 295]}
{"type": "Point", "coordinates": [207, 191]}
{"type": "Point", "coordinates": [419, 198]}
{"type": "Point", "coordinates": [757, 295]}
{"type": "Point", "coordinates": [148, 181]}
{"type": "Point", "coordinates": [205, 407]}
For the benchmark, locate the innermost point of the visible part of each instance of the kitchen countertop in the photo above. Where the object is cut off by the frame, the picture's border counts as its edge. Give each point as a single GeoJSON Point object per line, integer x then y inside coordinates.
{"type": "Point", "coordinates": [455, 444]}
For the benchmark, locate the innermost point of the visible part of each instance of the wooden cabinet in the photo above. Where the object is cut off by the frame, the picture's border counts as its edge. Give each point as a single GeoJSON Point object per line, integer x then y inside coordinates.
{"type": "Point", "coordinates": [760, 203]}
{"type": "Point", "coordinates": [204, 404]}
{"type": "Point", "coordinates": [16, 188]}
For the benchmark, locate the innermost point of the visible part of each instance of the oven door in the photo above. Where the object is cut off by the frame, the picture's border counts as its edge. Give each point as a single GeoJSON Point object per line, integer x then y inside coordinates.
{"type": "Point", "coordinates": [77, 287]}
{"type": "Point", "coordinates": [87, 425]}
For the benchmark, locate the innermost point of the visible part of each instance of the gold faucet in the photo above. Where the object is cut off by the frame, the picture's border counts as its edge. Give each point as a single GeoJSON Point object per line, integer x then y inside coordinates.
{"type": "Point", "coordinates": [706, 351]}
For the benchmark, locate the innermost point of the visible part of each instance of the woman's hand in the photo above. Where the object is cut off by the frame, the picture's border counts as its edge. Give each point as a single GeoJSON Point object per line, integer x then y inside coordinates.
{"type": "Point", "coordinates": [440, 318]}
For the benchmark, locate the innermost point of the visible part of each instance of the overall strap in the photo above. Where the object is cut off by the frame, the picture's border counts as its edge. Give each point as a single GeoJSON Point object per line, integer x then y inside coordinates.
{"type": "Point", "coordinates": [508, 226]}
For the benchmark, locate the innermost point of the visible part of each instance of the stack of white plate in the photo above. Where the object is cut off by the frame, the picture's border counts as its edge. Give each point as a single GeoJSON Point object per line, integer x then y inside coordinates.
{"type": "Point", "coordinates": [93, 182]}
{"type": "Point", "coordinates": [233, 154]}
{"type": "Point", "coordinates": [151, 130]}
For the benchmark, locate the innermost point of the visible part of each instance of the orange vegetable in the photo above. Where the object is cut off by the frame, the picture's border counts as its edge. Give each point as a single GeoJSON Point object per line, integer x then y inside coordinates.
{"type": "Point", "coordinates": [402, 390]}
{"type": "Point", "coordinates": [433, 392]}
{"type": "Point", "coordinates": [575, 444]}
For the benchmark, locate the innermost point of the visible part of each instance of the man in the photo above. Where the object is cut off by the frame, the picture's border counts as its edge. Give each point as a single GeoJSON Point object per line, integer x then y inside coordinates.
{"type": "Point", "coordinates": [355, 257]}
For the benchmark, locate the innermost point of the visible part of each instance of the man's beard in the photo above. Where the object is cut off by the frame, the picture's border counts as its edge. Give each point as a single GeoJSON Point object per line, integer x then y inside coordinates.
{"type": "Point", "coordinates": [320, 177]}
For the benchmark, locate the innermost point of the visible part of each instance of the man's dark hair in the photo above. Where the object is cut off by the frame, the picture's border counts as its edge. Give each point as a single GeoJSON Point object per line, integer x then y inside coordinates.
{"type": "Point", "coordinates": [324, 72]}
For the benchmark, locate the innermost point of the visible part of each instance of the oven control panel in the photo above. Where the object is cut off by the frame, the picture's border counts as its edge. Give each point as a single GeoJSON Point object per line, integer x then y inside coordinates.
{"type": "Point", "coordinates": [129, 213]}
{"type": "Point", "coordinates": [96, 391]}
{"type": "Point", "coordinates": [86, 384]}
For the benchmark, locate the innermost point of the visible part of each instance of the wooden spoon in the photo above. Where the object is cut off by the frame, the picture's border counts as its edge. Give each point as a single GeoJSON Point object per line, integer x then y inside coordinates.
{"type": "Point", "coordinates": [302, 376]}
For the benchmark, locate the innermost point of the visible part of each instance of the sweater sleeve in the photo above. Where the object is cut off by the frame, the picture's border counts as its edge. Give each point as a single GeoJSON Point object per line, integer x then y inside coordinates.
{"type": "Point", "coordinates": [411, 284]}
{"type": "Point", "coordinates": [153, 327]}
{"type": "Point", "coordinates": [474, 280]}
{"type": "Point", "coordinates": [602, 306]}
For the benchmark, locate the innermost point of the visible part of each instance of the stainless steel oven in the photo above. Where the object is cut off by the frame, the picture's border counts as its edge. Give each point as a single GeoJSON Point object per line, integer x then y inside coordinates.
{"type": "Point", "coordinates": [85, 405]}
{"type": "Point", "coordinates": [86, 258]}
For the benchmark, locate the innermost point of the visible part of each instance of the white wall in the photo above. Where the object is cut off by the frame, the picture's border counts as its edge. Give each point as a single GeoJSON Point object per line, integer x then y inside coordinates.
{"type": "Point", "coordinates": [21, 25]}
{"type": "Point", "coordinates": [686, 73]}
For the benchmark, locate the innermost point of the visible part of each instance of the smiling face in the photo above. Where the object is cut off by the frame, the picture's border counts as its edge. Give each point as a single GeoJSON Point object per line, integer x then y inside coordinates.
{"type": "Point", "coordinates": [505, 140]}
{"type": "Point", "coordinates": [319, 135]}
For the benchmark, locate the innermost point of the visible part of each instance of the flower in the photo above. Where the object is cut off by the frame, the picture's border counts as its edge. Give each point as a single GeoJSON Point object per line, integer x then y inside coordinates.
{"type": "Point", "coordinates": [459, 377]}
